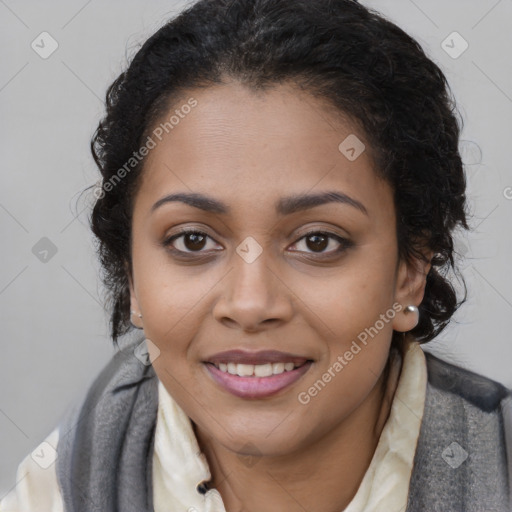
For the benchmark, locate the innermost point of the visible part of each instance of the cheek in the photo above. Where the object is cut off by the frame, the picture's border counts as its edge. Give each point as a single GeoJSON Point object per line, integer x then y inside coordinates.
{"type": "Point", "coordinates": [176, 301]}
{"type": "Point", "coordinates": [169, 314]}
{"type": "Point", "coordinates": [353, 299]}
{"type": "Point", "coordinates": [160, 286]}
{"type": "Point", "coordinates": [164, 297]}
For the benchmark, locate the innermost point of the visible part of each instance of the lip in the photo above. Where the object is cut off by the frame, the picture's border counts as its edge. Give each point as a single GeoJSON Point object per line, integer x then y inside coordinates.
{"type": "Point", "coordinates": [260, 357]}
{"type": "Point", "coordinates": [257, 387]}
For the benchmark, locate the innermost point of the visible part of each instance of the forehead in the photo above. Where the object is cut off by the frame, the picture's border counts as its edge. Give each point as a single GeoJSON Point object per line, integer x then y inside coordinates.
{"type": "Point", "coordinates": [256, 147]}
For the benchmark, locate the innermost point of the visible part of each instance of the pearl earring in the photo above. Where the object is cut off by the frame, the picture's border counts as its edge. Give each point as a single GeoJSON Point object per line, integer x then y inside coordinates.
{"type": "Point", "coordinates": [134, 313]}
{"type": "Point", "coordinates": [411, 309]}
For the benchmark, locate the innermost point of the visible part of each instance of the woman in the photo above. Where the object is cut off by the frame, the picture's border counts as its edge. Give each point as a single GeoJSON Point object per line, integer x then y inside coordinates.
{"type": "Point", "coordinates": [280, 186]}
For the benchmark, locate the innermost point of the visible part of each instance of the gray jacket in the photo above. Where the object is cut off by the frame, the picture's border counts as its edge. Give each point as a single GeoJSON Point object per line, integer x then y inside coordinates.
{"type": "Point", "coordinates": [463, 460]}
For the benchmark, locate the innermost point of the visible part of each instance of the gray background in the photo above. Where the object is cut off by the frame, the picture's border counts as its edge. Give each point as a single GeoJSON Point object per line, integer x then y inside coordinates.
{"type": "Point", "coordinates": [55, 329]}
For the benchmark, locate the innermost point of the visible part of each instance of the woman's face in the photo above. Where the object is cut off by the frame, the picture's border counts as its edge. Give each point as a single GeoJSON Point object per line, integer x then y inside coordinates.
{"type": "Point", "coordinates": [262, 171]}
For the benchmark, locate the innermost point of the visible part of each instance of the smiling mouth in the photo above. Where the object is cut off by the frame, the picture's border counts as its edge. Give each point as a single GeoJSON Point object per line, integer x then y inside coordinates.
{"type": "Point", "coordinates": [257, 370]}
{"type": "Point", "coordinates": [257, 381]}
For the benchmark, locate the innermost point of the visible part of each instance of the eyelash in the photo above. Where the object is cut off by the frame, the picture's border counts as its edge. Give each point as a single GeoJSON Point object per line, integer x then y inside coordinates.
{"type": "Point", "coordinates": [344, 243]}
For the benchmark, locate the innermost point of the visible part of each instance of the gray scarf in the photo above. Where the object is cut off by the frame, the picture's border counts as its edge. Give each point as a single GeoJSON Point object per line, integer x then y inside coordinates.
{"type": "Point", "coordinates": [463, 460]}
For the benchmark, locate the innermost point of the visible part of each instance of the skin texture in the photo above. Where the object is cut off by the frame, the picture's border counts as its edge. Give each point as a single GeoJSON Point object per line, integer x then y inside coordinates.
{"type": "Point", "coordinates": [248, 150]}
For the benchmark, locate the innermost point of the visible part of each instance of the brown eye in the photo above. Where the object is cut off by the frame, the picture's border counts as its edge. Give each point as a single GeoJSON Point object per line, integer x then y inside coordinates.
{"type": "Point", "coordinates": [194, 241]}
{"type": "Point", "coordinates": [190, 241]}
{"type": "Point", "coordinates": [318, 241]}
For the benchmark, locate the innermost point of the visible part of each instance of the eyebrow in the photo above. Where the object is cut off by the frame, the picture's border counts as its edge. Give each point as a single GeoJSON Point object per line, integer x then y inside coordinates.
{"type": "Point", "coordinates": [285, 205]}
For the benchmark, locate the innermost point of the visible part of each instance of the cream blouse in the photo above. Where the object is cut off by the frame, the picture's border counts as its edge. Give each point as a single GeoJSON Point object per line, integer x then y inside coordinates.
{"type": "Point", "coordinates": [384, 487]}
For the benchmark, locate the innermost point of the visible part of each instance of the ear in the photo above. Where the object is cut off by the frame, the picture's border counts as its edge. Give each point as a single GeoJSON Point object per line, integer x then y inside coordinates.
{"type": "Point", "coordinates": [411, 279]}
{"type": "Point", "coordinates": [135, 314]}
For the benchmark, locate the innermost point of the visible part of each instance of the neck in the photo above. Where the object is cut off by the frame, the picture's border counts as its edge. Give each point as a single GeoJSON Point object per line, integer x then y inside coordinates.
{"type": "Point", "coordinates": [322, 476]}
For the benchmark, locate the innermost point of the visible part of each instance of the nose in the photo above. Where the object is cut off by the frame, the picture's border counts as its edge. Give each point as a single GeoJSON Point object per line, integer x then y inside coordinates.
{"type": "Point", "coordinates": [254, 297]}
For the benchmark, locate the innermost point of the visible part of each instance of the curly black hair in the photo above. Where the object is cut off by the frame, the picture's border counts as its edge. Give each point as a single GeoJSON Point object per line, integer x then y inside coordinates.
{"type": "Point", "coordinates": [364, 65]}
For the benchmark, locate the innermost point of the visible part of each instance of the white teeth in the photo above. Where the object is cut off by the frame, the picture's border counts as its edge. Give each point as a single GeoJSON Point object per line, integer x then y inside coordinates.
{"type": "Point", "coordinates": [245, 370]}
{"type": "Point", "coordinates": [263, 370]}
{"type": "Point", "coordinates": [277, 368]}
{"type": "Point", "coordinates": [256, 370]}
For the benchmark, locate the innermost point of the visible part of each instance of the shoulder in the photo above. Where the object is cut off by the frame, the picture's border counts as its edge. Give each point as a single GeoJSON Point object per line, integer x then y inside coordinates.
{"type": "Point", "coordinates": [36, 481]}
{"type": "Point", "coordinates": [478, 390]}
{"type": "Point", "coordinates": [464, 453]}
{"type": "Point", "coordinates": [39, 475]}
